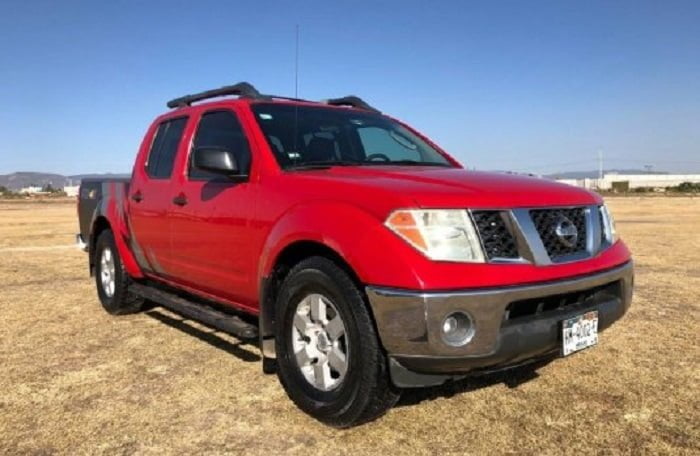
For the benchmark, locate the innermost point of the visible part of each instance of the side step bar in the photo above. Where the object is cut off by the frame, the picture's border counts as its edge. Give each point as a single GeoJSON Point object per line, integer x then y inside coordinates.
{"type": "Point", "coordinates": [200, 312]}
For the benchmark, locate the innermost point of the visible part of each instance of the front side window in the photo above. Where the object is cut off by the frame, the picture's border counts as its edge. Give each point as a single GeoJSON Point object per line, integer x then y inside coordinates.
{"type": "Point", "coordinates": [311, 135]}
{"type": "Point", "coordinates": [221, 129]}
{"type": "Point", "coordinates": [164, 148]}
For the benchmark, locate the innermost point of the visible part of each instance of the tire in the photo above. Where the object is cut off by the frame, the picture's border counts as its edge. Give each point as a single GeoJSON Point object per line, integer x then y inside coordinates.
{"type": "Point", "coordinates": [112, 280]}
{"type": "Point", "coordinates": [363, 391]}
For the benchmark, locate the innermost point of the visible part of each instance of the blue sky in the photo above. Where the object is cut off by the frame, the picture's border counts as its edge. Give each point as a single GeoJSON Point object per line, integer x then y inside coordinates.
{"type": "Point", "coordinates": [531, 86]}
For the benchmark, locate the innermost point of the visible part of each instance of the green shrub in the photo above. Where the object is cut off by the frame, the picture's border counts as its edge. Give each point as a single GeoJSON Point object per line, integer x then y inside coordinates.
{"type": "Point", "coordinates": [686, 187]}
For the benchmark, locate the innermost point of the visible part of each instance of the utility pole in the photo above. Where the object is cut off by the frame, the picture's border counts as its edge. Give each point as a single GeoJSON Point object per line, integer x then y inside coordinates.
{"type": "Point", "coordinates": [600, 164]}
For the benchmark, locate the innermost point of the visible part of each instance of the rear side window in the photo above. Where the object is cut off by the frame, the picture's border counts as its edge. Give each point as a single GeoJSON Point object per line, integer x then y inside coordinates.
{"type": "Point", "coordinates": [221, 129]}
{"type": "Point", "coordinates": [164, 148]}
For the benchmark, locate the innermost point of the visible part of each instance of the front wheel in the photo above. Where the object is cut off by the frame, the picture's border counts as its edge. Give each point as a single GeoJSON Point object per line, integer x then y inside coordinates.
{"type": "Point", "coordinates": [330, 361]}
{"type": "Point", "coordinates": [111, 278]}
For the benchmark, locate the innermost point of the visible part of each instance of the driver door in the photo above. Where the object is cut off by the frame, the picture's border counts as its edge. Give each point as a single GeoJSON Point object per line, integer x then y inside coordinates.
{"type": "Point", "coordinates": [211, 228]}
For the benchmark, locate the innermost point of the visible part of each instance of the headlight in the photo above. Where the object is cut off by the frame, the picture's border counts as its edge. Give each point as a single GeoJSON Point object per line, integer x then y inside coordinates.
{"type": "Point", "coordinates": [609, 232]}
{"type": "Point", "coordinates": [440, 234]}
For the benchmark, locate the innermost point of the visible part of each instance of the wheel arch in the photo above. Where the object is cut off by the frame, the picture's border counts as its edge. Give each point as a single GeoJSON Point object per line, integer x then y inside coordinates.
{"type": "Point", "coordinates": [99, 225]}
{"type": "Point", "coordinates": [289, 256]}
{"type": "Point", "coordinates": [102, 223]}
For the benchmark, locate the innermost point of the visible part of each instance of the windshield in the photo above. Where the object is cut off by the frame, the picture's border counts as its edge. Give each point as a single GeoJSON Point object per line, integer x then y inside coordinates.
{"type": "Point", "coordinates": [309, 136]}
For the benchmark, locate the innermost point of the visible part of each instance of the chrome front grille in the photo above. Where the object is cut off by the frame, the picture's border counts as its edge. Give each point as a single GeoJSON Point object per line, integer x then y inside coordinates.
{"type": "Point", "coordinates": [540, 235]}
{"type": "Point", "coordinates": [497, 239]}
{"type": "Point", "coordinates": [549, 221]}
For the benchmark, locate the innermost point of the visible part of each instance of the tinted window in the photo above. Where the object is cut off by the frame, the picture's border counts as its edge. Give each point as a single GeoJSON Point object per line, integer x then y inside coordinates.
{"type": "Point", "coordinates": [164, 148]}
{"type": "Point", "coordinates": [221, 129]}
{"type": "Point", "coordinates": [300, 134]}
{"type": "Point", "coordinates": [388, 143]}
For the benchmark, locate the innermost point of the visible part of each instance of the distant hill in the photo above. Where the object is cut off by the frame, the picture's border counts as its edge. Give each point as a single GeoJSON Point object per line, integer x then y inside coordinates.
{"type": "Point", "coordinates": [93, 176]}
{"type": "Point", "coordinates": [19, 180]}
{"type": "Point", "coordinates": [594, 174]}
{"type": "Point", "coordinates": [16, 181]}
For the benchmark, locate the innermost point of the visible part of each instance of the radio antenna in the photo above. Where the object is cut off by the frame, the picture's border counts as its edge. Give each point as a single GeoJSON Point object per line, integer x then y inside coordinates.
{"type": "Point", "coordinates": [296, 92]}
{"type": "Point", "coordinates": [296, 63]}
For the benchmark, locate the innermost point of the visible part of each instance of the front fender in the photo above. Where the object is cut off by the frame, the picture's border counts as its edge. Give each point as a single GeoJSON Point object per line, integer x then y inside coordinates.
{"type": "Point", "coordinates": [376, 255]}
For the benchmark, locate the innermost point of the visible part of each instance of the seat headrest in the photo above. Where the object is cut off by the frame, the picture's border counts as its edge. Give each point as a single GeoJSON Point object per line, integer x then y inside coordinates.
{"type": "Point", "coordinates": [320, 149]}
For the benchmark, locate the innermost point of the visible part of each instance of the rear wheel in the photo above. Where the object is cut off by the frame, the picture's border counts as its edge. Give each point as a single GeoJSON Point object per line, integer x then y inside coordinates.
{"type": "Point", "coordinates": [329, 358]}
{"type": "Point", "coordinates": [111, 278]}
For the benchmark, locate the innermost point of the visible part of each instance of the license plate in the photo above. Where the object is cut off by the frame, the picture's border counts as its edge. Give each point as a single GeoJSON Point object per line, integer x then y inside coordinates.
{"type": "Point", "coordinates": [579, 332]}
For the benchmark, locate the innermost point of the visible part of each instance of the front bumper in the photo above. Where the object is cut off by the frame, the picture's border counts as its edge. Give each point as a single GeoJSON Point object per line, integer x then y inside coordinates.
{"type": "Point", "coordinates": [511, 325]}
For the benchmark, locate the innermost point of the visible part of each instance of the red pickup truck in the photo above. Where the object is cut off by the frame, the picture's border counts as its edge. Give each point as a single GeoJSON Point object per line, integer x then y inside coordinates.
{"type": "Point", "coordinates": [361, 257]}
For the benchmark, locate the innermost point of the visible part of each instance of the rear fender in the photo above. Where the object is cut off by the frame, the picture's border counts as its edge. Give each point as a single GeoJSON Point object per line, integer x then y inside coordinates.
{"type": "Point", "coordinates": [112, 209]}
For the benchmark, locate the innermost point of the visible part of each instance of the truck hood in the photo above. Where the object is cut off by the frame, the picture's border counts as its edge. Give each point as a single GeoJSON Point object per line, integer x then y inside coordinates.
{"type": "Point", "coordinates": [431, 187]}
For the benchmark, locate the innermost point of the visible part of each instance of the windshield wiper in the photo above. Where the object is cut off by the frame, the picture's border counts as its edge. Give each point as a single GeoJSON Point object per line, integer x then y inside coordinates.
{"type": "Point", "coordinates": [330, 164]}
{"type": "Point", "coordinates": [321, 164]}
{"type": "Point", "coordinates": [407, 163]}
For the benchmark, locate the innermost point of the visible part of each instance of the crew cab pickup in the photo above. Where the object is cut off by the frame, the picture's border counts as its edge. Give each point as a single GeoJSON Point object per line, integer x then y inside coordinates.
{"type": "Point", "coordinates": [359, 256]}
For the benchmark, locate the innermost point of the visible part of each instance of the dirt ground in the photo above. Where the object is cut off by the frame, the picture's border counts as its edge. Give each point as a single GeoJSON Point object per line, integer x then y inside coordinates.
{"type": "Point", "coordinates": [75, 380]}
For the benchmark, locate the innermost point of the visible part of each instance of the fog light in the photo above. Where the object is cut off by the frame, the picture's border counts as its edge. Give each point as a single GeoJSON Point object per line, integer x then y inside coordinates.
{"type": "Point", "coordinates": [457, 329]}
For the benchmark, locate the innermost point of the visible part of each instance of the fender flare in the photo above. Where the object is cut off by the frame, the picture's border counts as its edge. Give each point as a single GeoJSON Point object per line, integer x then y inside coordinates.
{"type": "Point", "coordinates": [111, 211]}
{"type": "Point", "coordinates": [327, 224]}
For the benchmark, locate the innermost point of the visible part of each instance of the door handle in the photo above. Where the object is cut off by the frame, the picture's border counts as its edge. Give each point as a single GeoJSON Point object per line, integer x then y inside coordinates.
{"type": "Point", "coordinates": [137, 197]}
{"type": "Point", "coordinates": [180, 200]}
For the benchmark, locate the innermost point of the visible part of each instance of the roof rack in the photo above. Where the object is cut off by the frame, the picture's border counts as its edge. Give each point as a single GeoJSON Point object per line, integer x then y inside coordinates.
{"type": "Point", "coordinates": [242, 89]}
{"type": "Point", "coordinates": [350, 100]}
{"type": "Point", "coordinates": [282, 97]}
{"type": "Point", "coordinates": [246, 90]}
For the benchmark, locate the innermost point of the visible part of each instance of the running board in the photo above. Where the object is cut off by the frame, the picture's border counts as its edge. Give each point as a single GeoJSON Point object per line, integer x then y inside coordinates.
{"type": "Point", "coordinates": [200, 312]}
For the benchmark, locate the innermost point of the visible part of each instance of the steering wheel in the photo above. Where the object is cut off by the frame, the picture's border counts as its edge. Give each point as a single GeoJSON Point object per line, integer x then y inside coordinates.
{"type": "Point", "coordinates": [377, 157]}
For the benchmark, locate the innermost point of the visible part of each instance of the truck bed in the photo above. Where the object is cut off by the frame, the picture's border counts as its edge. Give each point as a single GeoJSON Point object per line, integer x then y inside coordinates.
{"type": "Point", "coordinates": [93, 193]}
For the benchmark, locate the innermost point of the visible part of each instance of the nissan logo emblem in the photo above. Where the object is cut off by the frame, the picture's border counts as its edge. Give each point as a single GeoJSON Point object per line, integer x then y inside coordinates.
{"type": "Point", "coordinates": [566, 231]}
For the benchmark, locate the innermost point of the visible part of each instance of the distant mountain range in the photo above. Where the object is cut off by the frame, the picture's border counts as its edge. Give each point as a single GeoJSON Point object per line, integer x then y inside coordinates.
{"type": "Point", "coordinates": [17, 181]}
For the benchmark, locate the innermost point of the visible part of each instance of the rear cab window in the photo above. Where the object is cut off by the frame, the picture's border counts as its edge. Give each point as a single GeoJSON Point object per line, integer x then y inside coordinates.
{"type": "Point", "coordinates": [161, 158]}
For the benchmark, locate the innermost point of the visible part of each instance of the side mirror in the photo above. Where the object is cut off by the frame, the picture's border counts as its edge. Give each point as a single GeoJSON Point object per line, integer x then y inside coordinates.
{"type": "Point", "coordinates": [217, 160]}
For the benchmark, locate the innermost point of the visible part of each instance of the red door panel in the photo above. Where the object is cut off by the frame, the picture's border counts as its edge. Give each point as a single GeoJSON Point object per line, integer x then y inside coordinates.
{"type": "Point", "coordinates": [149, 198]}
{"type": "Point", "coordinates": [210, 227]}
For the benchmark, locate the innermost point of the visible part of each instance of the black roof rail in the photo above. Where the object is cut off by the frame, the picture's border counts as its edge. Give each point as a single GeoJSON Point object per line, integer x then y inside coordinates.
{"type": "Point", "coordinates": [282, 97]}
{"type": "Point", "coordinates": [350, 100]}
{"type": "Point", "coordinates": [247, 90]}
{"type": "Point", "coordinates": [242, 89]}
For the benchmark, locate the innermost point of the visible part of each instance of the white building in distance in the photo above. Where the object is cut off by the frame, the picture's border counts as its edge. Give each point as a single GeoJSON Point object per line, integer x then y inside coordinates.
{"type": "Point", "coordinates": [631, 181]}
{"type": "Point", "coordinates": [31, 190]}
{"type": "Point", "coordinates": [71, 190]}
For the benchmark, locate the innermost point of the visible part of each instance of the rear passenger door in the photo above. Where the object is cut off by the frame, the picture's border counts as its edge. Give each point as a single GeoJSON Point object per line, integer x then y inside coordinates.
{"type": "Point", "coordinates": [150, 197]}
{"type": "Point", "coordinates": [211, 226]}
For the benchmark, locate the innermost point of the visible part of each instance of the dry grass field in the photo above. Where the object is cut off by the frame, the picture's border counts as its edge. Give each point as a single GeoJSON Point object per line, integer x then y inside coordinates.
{"type": "Point", "coordinates": [75, 380]}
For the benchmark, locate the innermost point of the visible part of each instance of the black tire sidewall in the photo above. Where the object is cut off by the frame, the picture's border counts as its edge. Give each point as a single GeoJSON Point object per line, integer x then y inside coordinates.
{"type": "Point", "coordinates": [111, 304]}
{"type": "Point", "coordinates": [310, 399]}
